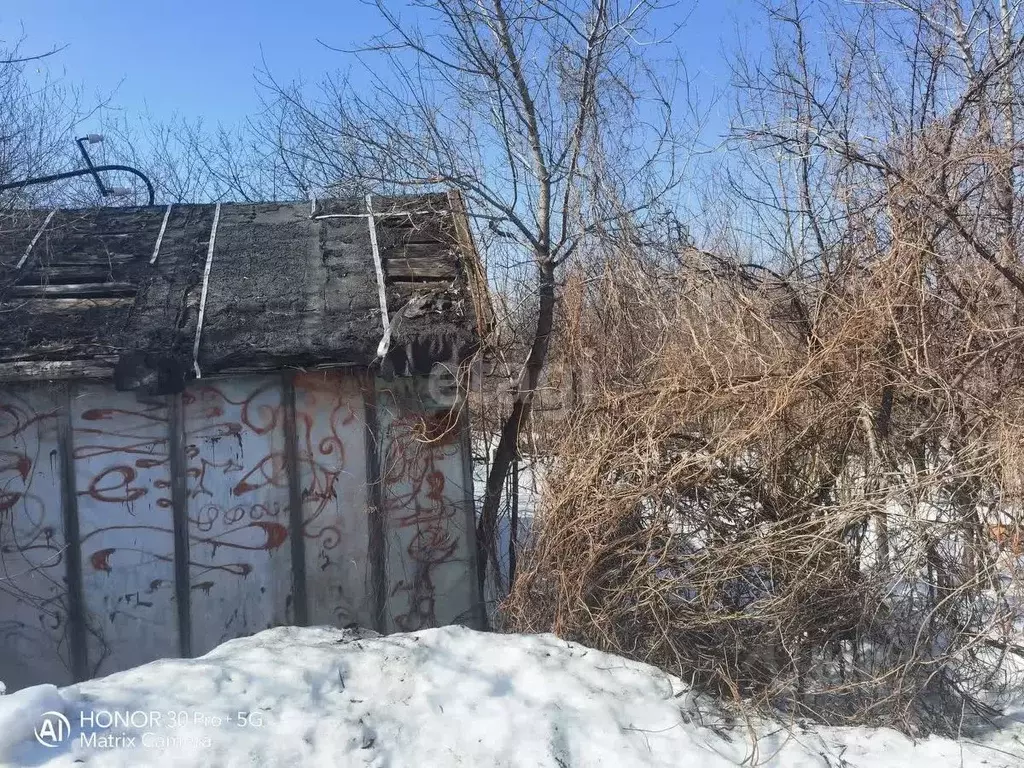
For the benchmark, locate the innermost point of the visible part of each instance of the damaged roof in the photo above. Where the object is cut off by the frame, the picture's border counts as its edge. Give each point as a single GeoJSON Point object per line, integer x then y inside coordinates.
{"type": "Point", "coordinates": [154, 296]}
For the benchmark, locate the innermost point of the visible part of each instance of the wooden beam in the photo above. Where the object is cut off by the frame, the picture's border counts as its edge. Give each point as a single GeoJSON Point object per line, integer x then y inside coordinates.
{"type": "Point", "coordinates": [45, 305]}
{"type": "Point", "coordinates": [435, 251]}
{"type": "Point", "coordinates": [57, 370]}
{"type": "Point", "coordinates": [74, 290]}
{"type": "Point", "coordinates": [436, 234]}
{"type": "Point", "coordinates": [420, 268]}
{"type": "Point", "coordinates": [178, 463]}
{"type": "Point", "coordinates": [76, 275]}
{"type": "Point", "coordinates": [83, 258]}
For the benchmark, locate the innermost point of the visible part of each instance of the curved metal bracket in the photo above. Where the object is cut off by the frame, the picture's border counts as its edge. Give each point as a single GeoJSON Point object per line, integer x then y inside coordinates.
{"type": "Point", "coordinates": [91, 171]}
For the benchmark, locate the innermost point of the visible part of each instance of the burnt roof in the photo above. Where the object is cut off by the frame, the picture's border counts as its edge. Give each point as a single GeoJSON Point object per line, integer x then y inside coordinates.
{"type": "Point", "coordinates": [118, 292]}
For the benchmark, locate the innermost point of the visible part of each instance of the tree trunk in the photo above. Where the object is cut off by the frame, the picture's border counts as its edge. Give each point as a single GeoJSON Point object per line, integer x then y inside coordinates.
{"type": "Point", "coordinates": [513, 534]}
{"type": "Point", "coordinates": [522, 403]}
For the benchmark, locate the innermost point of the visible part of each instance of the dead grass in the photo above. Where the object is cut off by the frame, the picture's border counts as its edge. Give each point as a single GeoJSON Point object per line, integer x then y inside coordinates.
{"type": "Point", "coordinates": [786, 492]}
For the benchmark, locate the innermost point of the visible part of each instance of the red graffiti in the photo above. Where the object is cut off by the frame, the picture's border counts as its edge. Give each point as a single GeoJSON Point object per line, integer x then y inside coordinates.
{"type": "Point", "coordinates": [32, 588]}
{"type": "Point", "coordinates": [101, 559]}
{"type": "Point", "coordinates": [199, 473]}
{"type": "Point", "coordinates": [100, 414]}
{"type": "Point", "coordinates": [8, 499]}
{"type": "Point", "coordinates": [16, 417]}
{"type": "Point", "coordinates": [238, 489]}
{"type": "Point", "coordinates": [136, 440]}
{"type": "Point", "coordinates": [220, 427]}
{"type": "Point", "coordinates": [259, 417]}
{"type": "Point", "coordinates": [271, 470]}
{"type": "Point", "coordinates": [416, 504]}
{"type": "Point", "coordinates": [276, 534]}
{"type": "Point", "coordinates": [114, 485]}
{"type": "Point", "coordinates": [16, 462]}
{"type": "Point", "coordinates": [323, 458]}
{"type": "Point", "coordinates": [21, 465]}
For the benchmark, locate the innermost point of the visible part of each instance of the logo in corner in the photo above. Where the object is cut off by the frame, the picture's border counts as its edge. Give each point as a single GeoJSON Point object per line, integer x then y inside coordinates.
{"type": "Point", "coordinates": [54, 729]}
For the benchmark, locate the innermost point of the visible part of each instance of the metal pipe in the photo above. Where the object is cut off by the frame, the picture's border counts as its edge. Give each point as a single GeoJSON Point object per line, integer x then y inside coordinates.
{"type": "Point", "coordinates": [93, 170]}
{"type": "Point", "coordinates": [88, 164]}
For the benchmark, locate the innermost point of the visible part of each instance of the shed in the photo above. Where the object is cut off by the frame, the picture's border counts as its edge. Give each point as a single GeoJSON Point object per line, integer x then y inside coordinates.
{"type": "Point", "coordinates": [219, 418]}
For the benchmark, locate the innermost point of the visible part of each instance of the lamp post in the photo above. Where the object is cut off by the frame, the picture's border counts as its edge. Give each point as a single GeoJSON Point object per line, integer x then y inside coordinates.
{"type": "Point", "coordinates": [89, 170]}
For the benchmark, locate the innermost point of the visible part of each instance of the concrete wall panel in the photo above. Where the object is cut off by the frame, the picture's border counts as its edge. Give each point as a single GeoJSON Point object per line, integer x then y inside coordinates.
{"type": "Point", "coordinates": [330, 422]}
{"type": "Point", "coordinates": [411, 565]}
{"type": "Point", "coordinates": [240, 563]}
{"type": "Point", "coordinates": [430, 572]}
{"type": "Point", "coordinates": [123, 481]}
{"type": "Point", "coordinates": [33, 593]}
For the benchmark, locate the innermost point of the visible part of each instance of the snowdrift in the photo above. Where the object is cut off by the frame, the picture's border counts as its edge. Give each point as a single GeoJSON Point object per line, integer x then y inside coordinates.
{"type": "Point", "coordinates": [443, 697]}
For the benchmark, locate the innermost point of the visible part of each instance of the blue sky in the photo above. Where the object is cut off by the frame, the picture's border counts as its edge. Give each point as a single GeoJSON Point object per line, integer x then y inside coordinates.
{"type": "Point", "coordinates": [197, 58]}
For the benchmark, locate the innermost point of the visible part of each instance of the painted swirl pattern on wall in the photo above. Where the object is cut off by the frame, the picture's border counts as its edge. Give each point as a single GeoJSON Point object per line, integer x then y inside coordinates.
{"type": "Point", "coordinates": [33, 594]}
{"type": "Point", "coordinates": [234, 442]}
{"type": "Point", "coordinates": [424, 497]}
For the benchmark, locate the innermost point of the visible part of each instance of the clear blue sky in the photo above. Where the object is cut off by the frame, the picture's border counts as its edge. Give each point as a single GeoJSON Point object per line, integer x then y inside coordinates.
{"type": "Point", "coordinates": [197, 59]}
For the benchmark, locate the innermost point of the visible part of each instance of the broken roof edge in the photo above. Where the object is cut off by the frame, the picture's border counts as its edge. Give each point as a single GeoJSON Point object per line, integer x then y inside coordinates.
{"type": "Point", "coordinates": [476, 273]}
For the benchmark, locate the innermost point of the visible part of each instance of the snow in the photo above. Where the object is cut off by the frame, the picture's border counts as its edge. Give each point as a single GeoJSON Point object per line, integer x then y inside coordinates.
{"type": "Point", "coordinates": [531, 474]}
{"type": "Point", "coordinates": [441, 697]}
{"type": "Point", "coordinates": [19, 714]}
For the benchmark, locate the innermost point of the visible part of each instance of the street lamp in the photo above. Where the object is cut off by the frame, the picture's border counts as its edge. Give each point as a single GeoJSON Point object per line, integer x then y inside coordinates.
{"type": "Point", "coordinates": [90, 170]}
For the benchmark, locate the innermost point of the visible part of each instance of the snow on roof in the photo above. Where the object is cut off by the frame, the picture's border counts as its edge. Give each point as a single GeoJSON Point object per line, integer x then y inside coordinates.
{"type": "Point", "coordinates": [442, 697]}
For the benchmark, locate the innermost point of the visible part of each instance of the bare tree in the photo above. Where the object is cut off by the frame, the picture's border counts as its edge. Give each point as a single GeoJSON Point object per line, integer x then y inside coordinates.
{"type": "Point", "coordinates": [903, 84]}
{"type": "Point", "coordinates": [806, 487]}
{"type": "Point", "coordinates": [553, 118]}
{"type": "Point", "coordinates": [37, 126]}
{"type": "Point", "coordinates": [189, 161]}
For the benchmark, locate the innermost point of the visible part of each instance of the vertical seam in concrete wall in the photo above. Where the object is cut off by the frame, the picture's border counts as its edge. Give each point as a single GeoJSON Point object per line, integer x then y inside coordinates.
{"type": "Point", "coordinates": [298, 539]}
{"type": "Point", "coordinates": [179, 507]}
{"type": "Point", "coordinates": [476, 595]}
{"type": "Point", "coordinates": [374, 493]}
{"type": "Point", "coordinates": [77, 650]}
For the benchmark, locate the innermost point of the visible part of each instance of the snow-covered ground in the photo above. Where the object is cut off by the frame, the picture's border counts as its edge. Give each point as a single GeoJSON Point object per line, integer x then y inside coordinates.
{"type": "Point", "coordinates": [441, 697]}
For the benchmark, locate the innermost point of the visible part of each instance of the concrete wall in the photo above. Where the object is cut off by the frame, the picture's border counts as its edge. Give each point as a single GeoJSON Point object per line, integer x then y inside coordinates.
{"type": "Point", "coordinates": [426, 484]}
{"type": "Point", "coordinates": [33, 588]}
{"type": "Point", "coordinates": [136, 528]}
{"type": "Point", "coordinates": [122, 483]}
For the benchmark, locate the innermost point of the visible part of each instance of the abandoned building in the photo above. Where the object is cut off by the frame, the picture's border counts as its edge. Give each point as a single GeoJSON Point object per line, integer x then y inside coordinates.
{"type": "Point", "coordinates": [220, 418]}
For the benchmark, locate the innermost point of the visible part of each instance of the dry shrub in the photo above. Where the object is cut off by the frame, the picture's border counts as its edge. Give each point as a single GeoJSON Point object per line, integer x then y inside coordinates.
{"type": "Point", "coordinates": [786, 492]}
